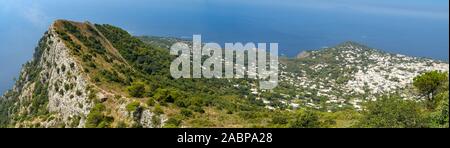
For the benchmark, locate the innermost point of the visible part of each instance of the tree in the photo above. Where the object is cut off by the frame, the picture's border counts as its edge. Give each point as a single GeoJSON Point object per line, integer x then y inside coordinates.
{"type": "Point", "coordinates": [306, 119]}
{"type": "Point", "coordinates": [137, 89]}
{"type": "Point", "coordinates": [391, 112]}
{"type": "Point", "coordinates": [429, 83]}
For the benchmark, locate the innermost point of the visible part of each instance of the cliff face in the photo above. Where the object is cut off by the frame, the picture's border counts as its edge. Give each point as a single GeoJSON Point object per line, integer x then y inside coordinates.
{"type": "Point", "coordinates": [66, 73]}
{"type": "Point", "coordinates": [55, 89]}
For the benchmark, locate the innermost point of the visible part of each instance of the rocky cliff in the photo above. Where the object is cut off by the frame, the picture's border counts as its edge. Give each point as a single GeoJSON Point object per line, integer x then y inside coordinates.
{"type": "Point", "coordinates": [55, 88]}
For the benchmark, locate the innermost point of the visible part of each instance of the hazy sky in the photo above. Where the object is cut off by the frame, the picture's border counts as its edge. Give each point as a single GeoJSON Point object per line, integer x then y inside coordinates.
{"type": "Point", "coordinates": [42, 12]}
{"type": "Point", "coordinates": [22, 23]}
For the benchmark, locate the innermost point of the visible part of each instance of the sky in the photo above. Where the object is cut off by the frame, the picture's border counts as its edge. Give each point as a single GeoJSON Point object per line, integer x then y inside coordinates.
{"type": "Point", "coordinates": [411, 27]}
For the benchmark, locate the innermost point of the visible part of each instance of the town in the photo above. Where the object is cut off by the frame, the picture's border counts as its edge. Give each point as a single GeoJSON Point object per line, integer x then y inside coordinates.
{"type": "Point", "coordinates": [260, 63]}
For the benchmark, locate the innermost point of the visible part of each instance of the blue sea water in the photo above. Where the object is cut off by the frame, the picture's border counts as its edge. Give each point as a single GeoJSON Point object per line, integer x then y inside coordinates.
{"type": "Point", "coordinates": [411, 27]}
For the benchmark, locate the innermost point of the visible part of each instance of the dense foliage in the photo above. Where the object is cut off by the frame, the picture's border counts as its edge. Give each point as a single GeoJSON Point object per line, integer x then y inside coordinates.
{"type": "Point", "coordinates": [392, 112]}
{"type": "Point", "coordinates": [429, 85]}
{"type": "Point", "coordinates": [97, 117]}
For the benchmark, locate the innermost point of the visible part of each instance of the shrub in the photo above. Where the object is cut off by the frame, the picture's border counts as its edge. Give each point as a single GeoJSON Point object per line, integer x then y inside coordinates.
{"type": "Point", "coordinates": [156, 121]}
{"type": "Point", "coordinates": [197, 109]}
{"type": "Point", "coordinates": [64, 36]}
{"type": "Point", "coordinates": [96, 79]}
{"type": "Point", "coordinates": [87, 58]}
{"type": "Point", "coordinates": [168, 95]}
{"type": "Point", "coordinates": [92, 94]}
{"type": "Point", "coordinates": [61, 92]}
{"type": "Point", "coordinates": [40, 99]}
{"type": "Point", "coordinates": [280, 119]}
{"type": "Point", "coordinates": [158, 110]}
{"type": "Point", "coordinates": [63, 68]}
{"type": "Point", "coordinates": [247, 114]}
{"type": "Point", "coordinates": [173, 122]}
{"type": "Point", "coordinates": [97, 119]}
{"type": "Point", "coordinates": [196, 101]}
{"type": "Point", "coordinates": [150, 102]}
{"type": "Point", "coordinates": [391, 112]}
{"type": "Point", "coordinates": [133, 106]}
{"type": "Point", "coordinates": [136, 89]}
{"type": "Point", "coordinates": [121, 124]}
{"type": "Point", "coordinates": [181, 103]}
{"type": "Point", "coordinates": [111, 76]}
{"type": "Point", "coordinates": [66, 87]}
{"type": "Point", "coordinates": [136, 109]}
{"type": "Point", "coordinates": [440, 117]}
{"type": "Point", "coordinates": [75, 121]}
{"type": "Point", "coordinates": [306, 119]}
{"type": "Point", "coordinates": [92, 64]}
{"type": "Point", "coordinates": [78, 93]}
{"type": "Point", "coordinates": [186, 112]}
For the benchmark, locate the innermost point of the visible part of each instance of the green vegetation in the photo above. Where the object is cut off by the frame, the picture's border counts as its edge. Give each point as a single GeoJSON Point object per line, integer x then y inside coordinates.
{"type": "Point", "coordinates": [75, 121]}
{"type": "Point", "coordinates": [173, 123]}
{"type": "Point", "coordinates": [158, 110]}
{"type": "Point", "coordinates": [306, 119]}
{"type": "Point", "coordinates": [137, 89]}
{"type": "Point", "coordinates": [7, 108]}
{"type": "Point", "coordinates": [429, 84]}
{"type": "Point", "coordinates": [97, 118]}
{"type": "Point", "coordinates": [149, 59]}
{"type": "Point", "coordinates": [392, 112]}
{"type": "Point", "coordinates": [439, 117]}
{"type": "Point", "coordinates": [133, 106]}
{"type": "Point", "coordinates": [40, 100]}
{"type": "Point", "coordinates": [111, 76]}
{"type": "Point", "coordinates": [150, 102]}
{"type": "Point", "coordinates": [167, 95]}
{"type": "Point", "coordinates": [186, 112]}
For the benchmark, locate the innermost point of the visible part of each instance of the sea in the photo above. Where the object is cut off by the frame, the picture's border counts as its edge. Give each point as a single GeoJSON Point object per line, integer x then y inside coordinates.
{"type": "Point", "coordinates": [409, 27]}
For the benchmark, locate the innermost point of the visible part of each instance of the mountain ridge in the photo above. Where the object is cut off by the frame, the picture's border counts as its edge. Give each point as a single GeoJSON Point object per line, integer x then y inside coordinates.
{"type": "Point", "coordinates": [64, 61]}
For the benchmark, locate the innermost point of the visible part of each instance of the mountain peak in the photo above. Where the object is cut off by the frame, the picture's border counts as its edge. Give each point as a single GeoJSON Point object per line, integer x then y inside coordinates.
{"type": "Point", "coordinates": [345, 46]}
{"type": "Point", "coordinates": [74, 66]}
{"type": "Point", "coordinates": [351, 45]}
{"type": "Point", "coordinates": [63, 21]}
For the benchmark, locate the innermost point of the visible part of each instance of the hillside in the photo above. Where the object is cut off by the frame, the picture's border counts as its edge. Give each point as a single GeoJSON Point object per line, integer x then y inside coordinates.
{"type": "Point", "coordinates": [99, 76]}
{"type": "Point", "coordinates": [80, 74]}
{"type": "Point", "coordinates": [350, 73]}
